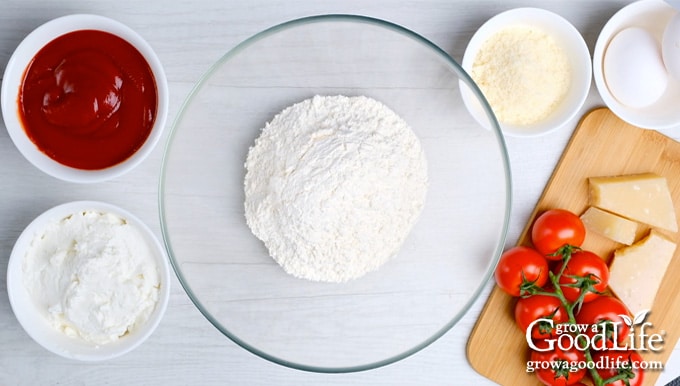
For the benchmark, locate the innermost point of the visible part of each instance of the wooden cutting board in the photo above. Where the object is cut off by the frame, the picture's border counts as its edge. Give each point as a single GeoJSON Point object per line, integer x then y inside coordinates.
{"type": "Point", "coordinates": [602, 145]}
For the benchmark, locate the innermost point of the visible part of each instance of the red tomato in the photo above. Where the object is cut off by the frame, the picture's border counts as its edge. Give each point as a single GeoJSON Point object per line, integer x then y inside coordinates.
{"type": "Point", "coordinates": [581, 265]}
{"type": "Point", "coordinates": [563, 368]}
{"type": "Point", "coordinates": [602, 311]}
{"type": "Point", "coordinates": [528, 310]}
{"type": "Point", "coordinates": [614, 362]}
{"type": "Point", "coordinates": [554, 229]}
{"type": "Point", "coordinates": [518, 268]}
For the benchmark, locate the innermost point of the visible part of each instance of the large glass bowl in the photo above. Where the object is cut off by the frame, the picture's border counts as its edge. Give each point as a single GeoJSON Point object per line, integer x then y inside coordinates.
{"type": "Point", "coordinates": [388, 314]}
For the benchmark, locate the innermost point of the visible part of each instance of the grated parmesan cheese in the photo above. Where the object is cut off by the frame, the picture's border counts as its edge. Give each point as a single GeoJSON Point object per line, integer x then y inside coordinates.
{"type": "Point", "coordinates": [523, 74]}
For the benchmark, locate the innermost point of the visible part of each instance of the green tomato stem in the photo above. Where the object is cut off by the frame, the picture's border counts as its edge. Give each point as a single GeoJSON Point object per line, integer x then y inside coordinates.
{"type": "Point", "coordinates": [569, 307]}
{"type": "Point", "coordinates": [566, 253]}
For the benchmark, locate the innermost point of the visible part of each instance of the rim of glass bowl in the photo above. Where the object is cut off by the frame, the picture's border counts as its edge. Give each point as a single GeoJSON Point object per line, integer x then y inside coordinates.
{"type": "Point", "coordinates": [462, 76]}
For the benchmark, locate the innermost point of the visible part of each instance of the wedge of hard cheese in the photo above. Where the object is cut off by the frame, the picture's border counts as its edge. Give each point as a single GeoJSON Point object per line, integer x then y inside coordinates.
{"type": "Point", "coordinates": [636, 272]}
{"type": "Point", "coordinates": [639, 197]}
{"type": "Point", "coordinates": [610, 225]}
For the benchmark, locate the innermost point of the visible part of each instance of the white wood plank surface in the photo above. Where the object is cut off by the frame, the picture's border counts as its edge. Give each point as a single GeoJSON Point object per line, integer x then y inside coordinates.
{"type": "Point", "coordinates": [189, 35]}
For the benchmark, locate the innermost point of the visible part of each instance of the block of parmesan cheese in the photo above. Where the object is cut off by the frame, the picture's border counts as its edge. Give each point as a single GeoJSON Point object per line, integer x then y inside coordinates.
{"type": "Point", "coordinates": [636, 271]}
{"type": "Point", "coordinates": [610, 225]}
{"type": "Point", "coordinates": [639, 197]}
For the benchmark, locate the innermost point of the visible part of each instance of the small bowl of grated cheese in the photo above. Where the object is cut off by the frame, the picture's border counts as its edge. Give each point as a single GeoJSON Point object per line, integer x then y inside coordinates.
{"type": "Point", "coordinates": [88, 281]}
{"type": "Point", "coordinates": [532, 66]}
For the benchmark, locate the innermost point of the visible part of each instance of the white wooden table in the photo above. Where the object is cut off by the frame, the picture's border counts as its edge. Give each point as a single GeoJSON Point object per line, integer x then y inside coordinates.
{"type": "Point", "coordinates": [189, 35]}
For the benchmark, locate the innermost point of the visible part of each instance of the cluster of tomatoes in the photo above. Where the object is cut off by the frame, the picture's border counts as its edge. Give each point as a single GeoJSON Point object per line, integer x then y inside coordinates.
{"type": "Point", "coordinates": [560, 289]}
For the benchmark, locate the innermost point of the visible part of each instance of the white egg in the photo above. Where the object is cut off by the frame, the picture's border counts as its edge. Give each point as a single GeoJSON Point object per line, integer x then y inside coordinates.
{"type": "Point", "coordinates": [633, 68]}
{"type": "Point", "coordinates": [670, 46]}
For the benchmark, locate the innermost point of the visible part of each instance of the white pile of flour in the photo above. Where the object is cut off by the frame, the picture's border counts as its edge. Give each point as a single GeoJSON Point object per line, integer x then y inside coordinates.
{"type": "Point", "coordinates": [333, 186]}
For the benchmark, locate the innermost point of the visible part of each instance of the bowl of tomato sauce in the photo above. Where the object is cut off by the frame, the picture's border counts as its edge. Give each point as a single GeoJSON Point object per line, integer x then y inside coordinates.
{"type": "Point", "coordinates": [84, 98]}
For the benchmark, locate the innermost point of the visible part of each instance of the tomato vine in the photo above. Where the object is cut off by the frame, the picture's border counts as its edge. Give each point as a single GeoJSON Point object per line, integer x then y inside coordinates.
{"type": "Point", "coordinates": [576, 278]}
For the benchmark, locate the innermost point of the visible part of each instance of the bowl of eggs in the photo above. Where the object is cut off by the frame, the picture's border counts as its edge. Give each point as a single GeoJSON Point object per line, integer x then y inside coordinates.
{"type": "Point", "coordinates": [636, 65]}
{"type": "Point", "coordinates": [84, 98]}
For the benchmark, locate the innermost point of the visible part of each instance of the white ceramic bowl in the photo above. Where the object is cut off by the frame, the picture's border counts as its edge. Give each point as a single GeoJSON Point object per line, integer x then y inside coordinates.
{"type": "Point", "coordinates": [13, 78]}
{"type": "Point", "coordinates": [34, 320]}
{"type": "Point", "coordinates": [568, 38]}
{"type": "Point", "coordinates": [652, 15]}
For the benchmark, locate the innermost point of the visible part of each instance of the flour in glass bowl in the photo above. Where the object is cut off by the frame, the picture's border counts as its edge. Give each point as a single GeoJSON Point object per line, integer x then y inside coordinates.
{"type": "Point", "coordinates": [333, 186]}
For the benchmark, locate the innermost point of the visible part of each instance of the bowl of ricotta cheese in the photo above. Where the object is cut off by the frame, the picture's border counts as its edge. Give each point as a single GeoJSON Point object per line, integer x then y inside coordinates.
{"type": "Point", "coordinates": [88, 281]}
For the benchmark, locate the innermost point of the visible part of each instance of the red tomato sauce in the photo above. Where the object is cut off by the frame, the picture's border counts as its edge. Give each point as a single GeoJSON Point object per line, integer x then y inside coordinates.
{"type": "Point", "coordinates": [88, 100]}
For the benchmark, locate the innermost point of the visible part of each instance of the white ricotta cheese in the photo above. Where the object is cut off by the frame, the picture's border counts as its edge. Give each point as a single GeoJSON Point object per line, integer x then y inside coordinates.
{"type": "Point", "coordinates": [93, 275]}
